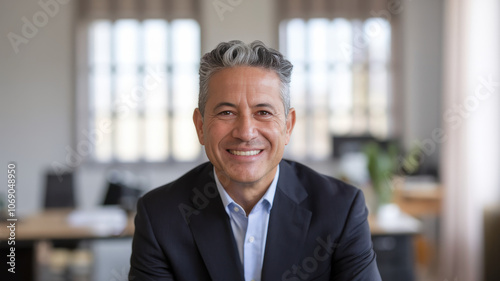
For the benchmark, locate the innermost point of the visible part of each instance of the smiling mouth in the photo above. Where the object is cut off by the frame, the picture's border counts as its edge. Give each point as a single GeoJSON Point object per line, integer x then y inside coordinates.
{"type": "Point", "coordinates": [244, 153]}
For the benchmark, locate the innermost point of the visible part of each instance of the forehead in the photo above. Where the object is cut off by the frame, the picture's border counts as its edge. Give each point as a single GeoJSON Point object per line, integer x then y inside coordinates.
{"type": "Point", "coordinates": [252, 82]}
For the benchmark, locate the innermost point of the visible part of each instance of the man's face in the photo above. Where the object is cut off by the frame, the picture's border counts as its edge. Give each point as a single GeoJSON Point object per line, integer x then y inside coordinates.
{"type": "Point", "coordinates": [244, 129]}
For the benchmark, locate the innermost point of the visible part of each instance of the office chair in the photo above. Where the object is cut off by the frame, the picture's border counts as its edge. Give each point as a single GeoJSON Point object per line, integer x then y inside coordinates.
{"type": "Point", "coordinates": [59, 191]}
{"type": "Point", "coordinates": [122, 195]}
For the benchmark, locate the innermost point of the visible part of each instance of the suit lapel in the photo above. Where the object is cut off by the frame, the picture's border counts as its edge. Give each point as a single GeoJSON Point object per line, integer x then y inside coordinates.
{"type": "Point", "coordinates": [213, 235]}
{"type": "Point", "coordinates": [288, 225]}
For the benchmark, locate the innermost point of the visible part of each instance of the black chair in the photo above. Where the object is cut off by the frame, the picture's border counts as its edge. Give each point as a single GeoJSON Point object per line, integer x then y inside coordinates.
{"type": "Point", "coordinates": [114, 194]}
{"type": "Point", "coordinates": [122, 195]}
{"type": "Point", "coordinates": [59, 191]}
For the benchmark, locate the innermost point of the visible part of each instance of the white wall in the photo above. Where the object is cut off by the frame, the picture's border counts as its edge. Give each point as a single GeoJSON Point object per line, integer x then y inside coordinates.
{"type": "Point", "coordinates": [422, 28]}
{"type": "Point", "coordinates": [37, 87]}
{"type": "Point", "coordinates": [251, 20]}
{"type": "Point", "coordinates": [36, 107]}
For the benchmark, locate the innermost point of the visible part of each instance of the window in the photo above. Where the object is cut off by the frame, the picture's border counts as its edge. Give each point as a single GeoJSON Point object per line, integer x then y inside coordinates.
{"type": "Point", "coordinates": [340, 82]}
{"type": "Point", "coordinates": [143, 80]}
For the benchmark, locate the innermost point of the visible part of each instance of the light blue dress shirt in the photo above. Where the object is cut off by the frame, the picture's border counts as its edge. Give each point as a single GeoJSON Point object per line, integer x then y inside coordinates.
{"type": "Point", "coordinates": [250, 233]}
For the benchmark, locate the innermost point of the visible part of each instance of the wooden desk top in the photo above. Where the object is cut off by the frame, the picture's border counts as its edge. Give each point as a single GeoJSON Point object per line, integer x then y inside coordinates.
{"type": "Point", "coordinates": [53, 224]}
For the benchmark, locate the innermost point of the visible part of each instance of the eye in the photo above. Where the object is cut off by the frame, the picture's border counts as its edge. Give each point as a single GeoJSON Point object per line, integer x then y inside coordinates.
{"type": "Point", "coordinates": [225, 113]}
{"type": "Point", "coordinates": [264, 113]}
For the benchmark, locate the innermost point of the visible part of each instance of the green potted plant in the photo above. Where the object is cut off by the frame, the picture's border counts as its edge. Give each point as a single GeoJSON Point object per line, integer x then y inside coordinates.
{"type": "Point", "coordinates": [381, 165]}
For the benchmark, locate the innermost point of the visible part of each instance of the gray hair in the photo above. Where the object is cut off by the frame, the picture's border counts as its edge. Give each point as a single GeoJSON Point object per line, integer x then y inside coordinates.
{"type": "Point", "coordinates": [237, 53]}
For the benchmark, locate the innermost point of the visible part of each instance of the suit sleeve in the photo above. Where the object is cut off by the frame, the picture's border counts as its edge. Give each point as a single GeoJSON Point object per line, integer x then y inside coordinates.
{"type": "Point", "coordinates": [148, 261]}
{"type": "Point", "coordinates": [354, 258]}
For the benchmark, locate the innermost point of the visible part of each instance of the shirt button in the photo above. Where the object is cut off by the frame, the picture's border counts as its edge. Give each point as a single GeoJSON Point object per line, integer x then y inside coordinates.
{"type": "Point", "coordinates": [236, 209]}
{"type": "Point", "coordinates": [251, 239]}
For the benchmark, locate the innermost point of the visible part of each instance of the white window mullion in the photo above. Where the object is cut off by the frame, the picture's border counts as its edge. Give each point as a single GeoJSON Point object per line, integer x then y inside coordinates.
{"type": "Point", "coordinates": [185, 88]}
{"type": "Point", "coordinates": [170, 94]}
{"type": "Point", "coordinates": [309, 110]}
{"type": "Point", "coordinates": [113, 89]}
{"type": "Point", "coordinates": [155, 61]}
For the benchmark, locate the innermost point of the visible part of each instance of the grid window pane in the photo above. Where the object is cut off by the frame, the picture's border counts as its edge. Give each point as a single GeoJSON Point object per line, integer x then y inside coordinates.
{"type": "Point", "coordinates": [156, 136]}
{"type": "Point", "coordinates": [340, 83]}
{"type": "Point", "coordinates": [143, 81]}
{"type": "Point", "coordinates": [341, 39]}
{"type": "Point", "coordinates": [295, 46]}
{"type": "Point", "coordinates": [155, 41]}
{"type": "Point", "coordinates": [100, 43]}
{"type": "Point", "coordinates": [378, 32]}
{"type": "Point", "coordinates": [126, 41]}
{"type": "Point", "coordinates": [127, 141]}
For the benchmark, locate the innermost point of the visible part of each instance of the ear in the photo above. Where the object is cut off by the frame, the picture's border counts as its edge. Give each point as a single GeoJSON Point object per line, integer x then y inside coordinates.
{"type": "Point", "coordinates": [290, 124]}
{"type": "Point", "coordinates": [198, 123]}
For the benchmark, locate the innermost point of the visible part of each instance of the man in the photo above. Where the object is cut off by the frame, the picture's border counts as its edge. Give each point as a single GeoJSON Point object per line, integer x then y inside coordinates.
{"type": "Point", "coordinates": [248, 214]}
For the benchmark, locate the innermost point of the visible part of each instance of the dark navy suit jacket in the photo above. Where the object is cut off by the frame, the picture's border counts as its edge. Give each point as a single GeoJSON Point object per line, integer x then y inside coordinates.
{"type": "Point", "coordinates": [318, 230]}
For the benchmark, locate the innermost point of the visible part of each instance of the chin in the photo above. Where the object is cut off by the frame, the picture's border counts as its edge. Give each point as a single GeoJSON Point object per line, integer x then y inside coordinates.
{"type": "Point", "coordinates": [238, 177]}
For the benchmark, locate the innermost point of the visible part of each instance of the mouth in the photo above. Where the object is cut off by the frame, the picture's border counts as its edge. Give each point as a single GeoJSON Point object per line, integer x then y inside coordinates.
{"type": "Point", "coordinates": [244, 153]}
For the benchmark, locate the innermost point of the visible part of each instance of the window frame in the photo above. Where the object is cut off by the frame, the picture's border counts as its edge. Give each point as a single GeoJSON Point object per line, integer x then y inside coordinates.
{"type": "Point", "coordinates": [84, 147]}
{"type": "Point", "coordinates": [391, 101]}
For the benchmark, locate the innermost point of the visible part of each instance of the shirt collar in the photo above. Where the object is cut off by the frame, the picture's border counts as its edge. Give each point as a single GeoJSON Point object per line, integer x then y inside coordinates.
{"type": "Point", "coordinates": [268, 196]}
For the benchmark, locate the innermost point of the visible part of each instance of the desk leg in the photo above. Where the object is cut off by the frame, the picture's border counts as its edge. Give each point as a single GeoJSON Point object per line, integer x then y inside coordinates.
{"type": "Point", "coordinates": [395, 256]}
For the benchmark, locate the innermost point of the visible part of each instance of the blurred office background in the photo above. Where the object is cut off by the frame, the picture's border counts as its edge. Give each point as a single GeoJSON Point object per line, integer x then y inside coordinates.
{"type": "Point", "coordinates": [97, 98]}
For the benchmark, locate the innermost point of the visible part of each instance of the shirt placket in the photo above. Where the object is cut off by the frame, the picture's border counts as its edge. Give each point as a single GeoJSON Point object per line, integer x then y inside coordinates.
{"type": "Point", "coordinates": [252, 252]}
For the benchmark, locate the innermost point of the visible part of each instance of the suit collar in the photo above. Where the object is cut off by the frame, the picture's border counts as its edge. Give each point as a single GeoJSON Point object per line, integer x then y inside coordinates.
{"type": "Point", "coordinates": [212, 231]}
{"type": "Point", "coordinates": [290, 184]}
{"type": "Point", "coordinates": [288, 225]}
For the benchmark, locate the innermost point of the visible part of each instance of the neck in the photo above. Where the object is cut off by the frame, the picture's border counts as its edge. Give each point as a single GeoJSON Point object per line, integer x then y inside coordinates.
{"type": "Point", "coordinates": [247, 198]}
{"type": "Point", "coordinates": [246, 194]}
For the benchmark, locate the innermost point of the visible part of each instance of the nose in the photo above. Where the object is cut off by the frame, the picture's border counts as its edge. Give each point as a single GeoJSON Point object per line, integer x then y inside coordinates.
{"type": "Point", "coordinates": [245, 128]}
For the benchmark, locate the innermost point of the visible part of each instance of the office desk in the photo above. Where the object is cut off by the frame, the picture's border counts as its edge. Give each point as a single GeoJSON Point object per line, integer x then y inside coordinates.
{"type": "Point", "coordinates": [394, 247]}
{"type": "Point", "coordinates": [54, 225]}
{"type": "Point", "coordinates": [49, 225]}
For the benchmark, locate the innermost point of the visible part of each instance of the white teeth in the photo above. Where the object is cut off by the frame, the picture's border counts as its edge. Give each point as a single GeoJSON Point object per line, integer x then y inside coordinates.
{"type": "Point", "coordinates": [244, 153]}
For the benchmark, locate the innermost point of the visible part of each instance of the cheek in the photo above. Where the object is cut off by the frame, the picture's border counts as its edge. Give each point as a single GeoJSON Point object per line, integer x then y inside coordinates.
{"type": "Point", "coordinates": [276, 133]}
{"type": "Point", "coordinates": [214, 133]}
{"type": "Point", "coordinates": [280, 128]}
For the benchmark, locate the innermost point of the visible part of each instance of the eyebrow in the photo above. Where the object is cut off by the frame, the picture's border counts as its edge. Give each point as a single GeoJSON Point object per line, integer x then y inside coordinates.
{"type": "Point", "coordinates": [228, 104]}
{"type": "Point", "coordinates": [268, 105]}
{"type": "Point", "coordinates": [222, 104]}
